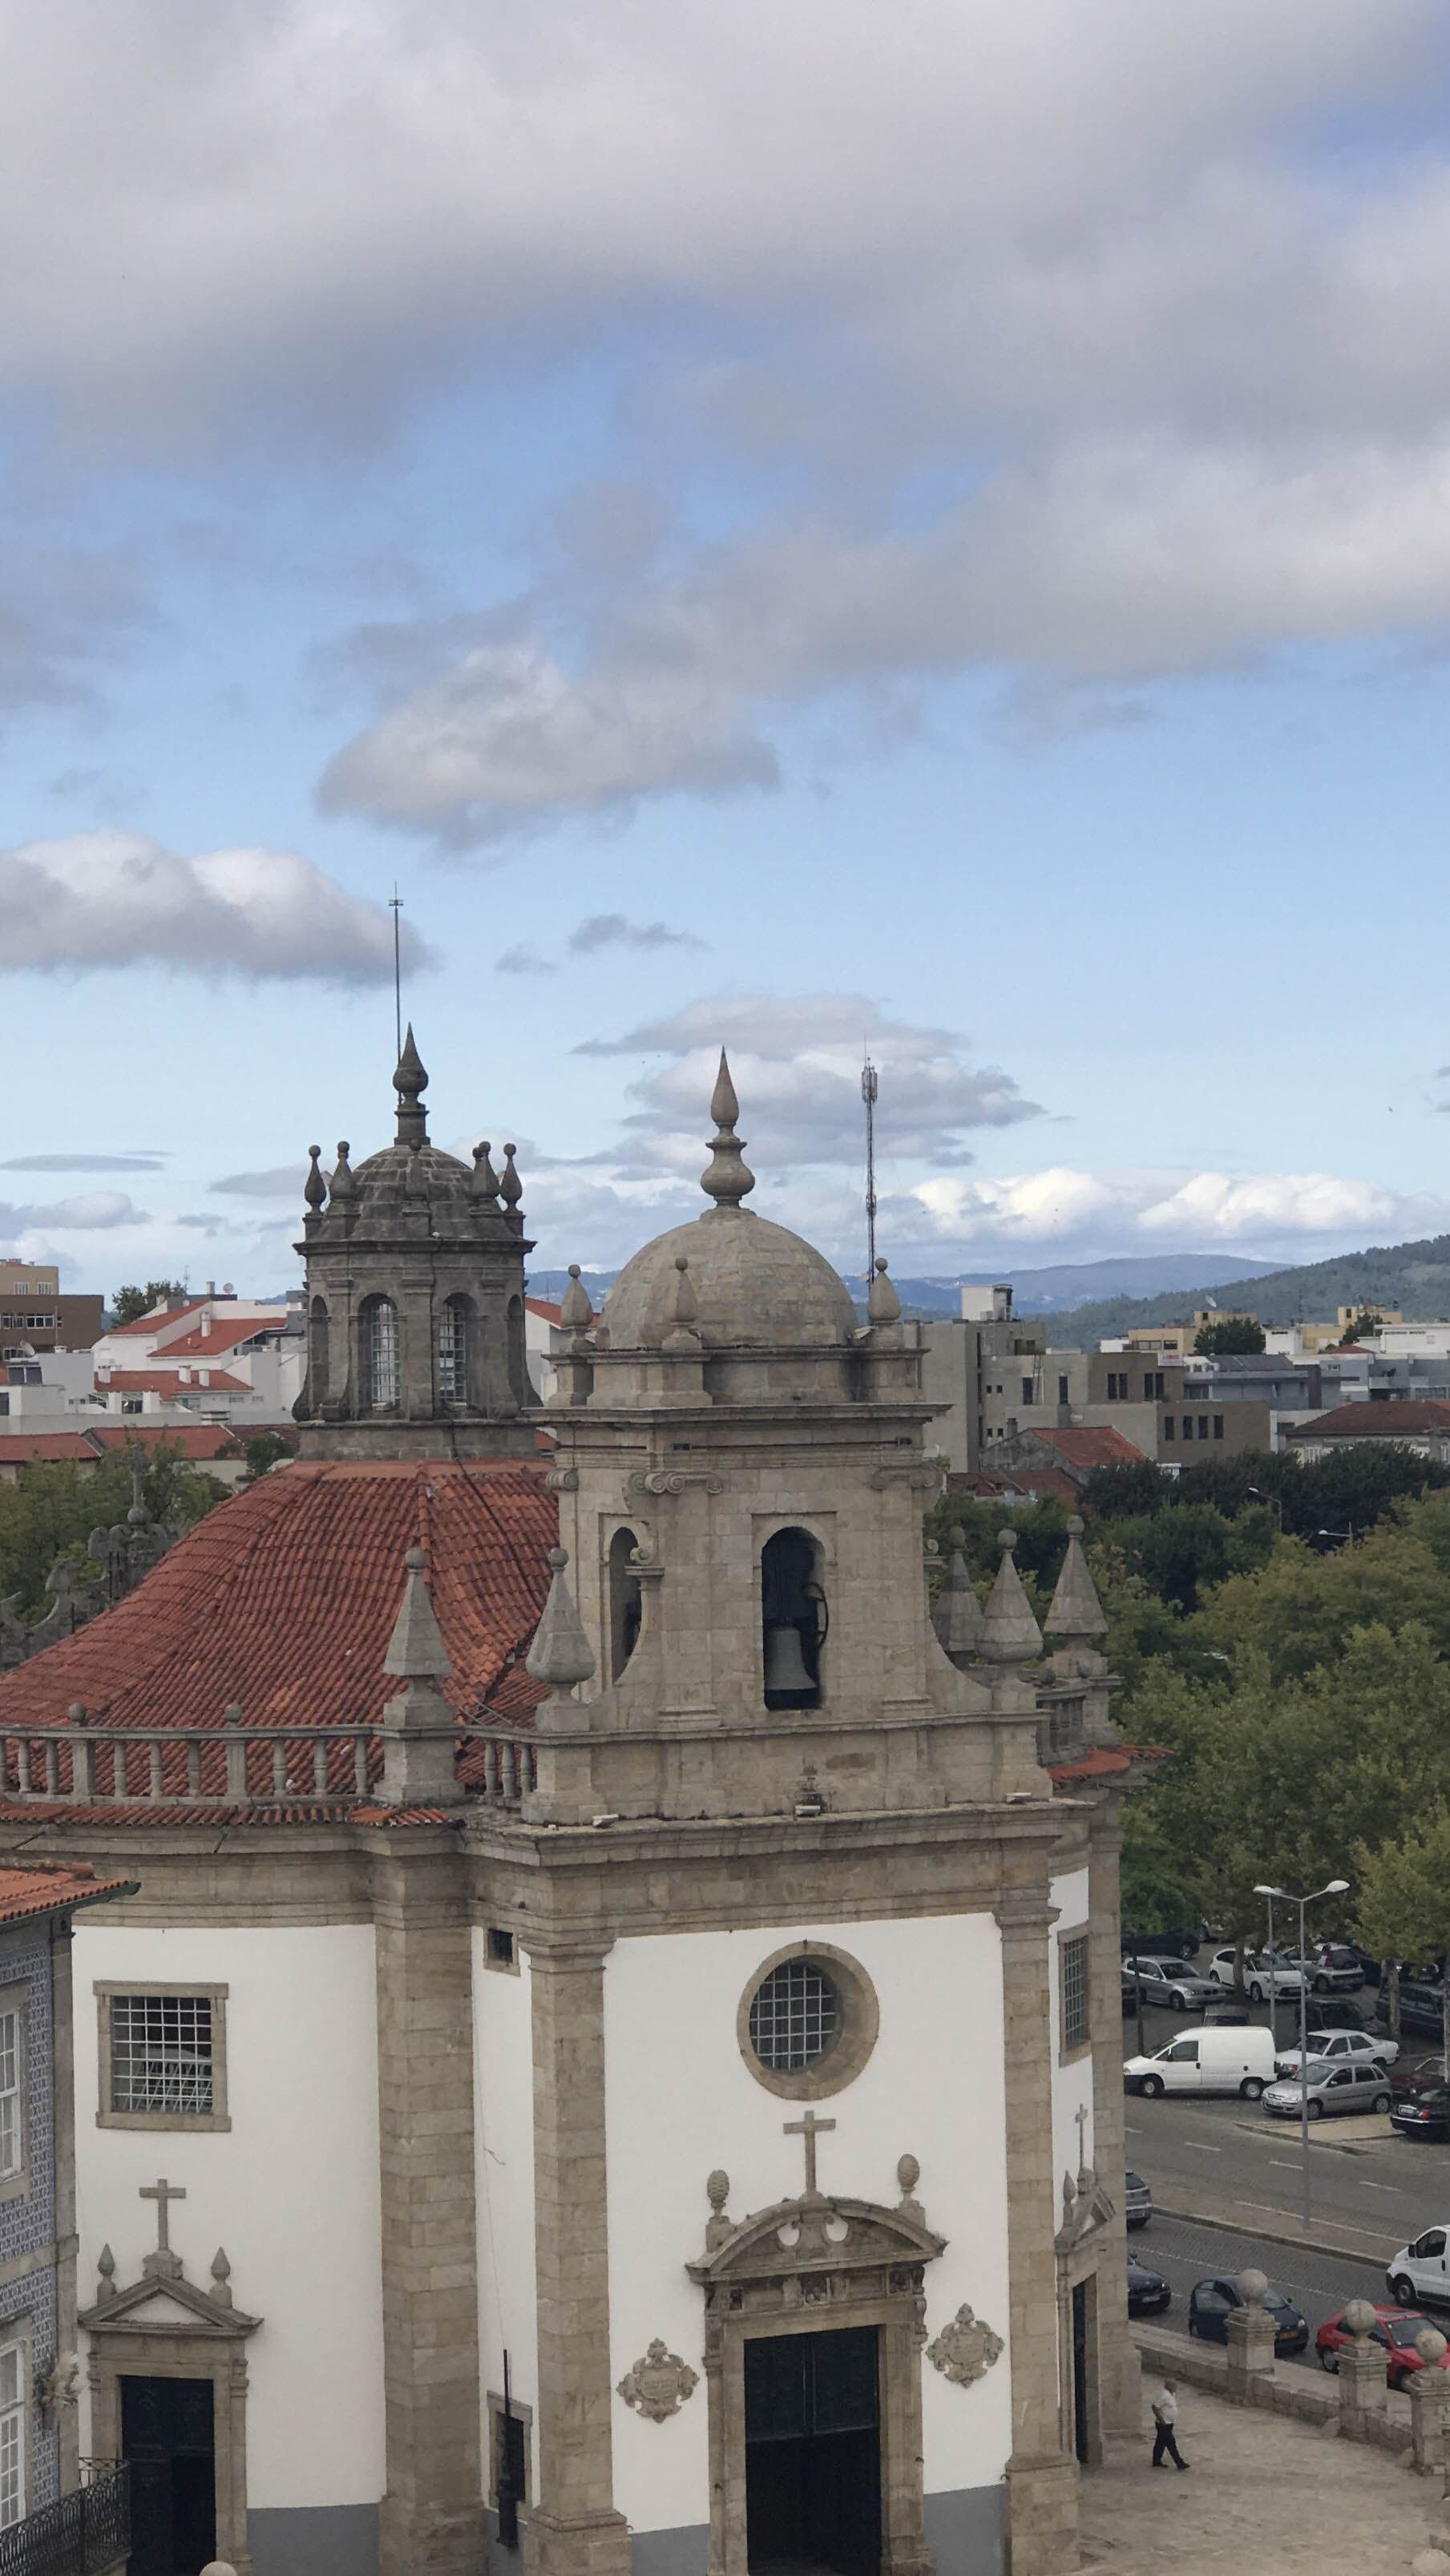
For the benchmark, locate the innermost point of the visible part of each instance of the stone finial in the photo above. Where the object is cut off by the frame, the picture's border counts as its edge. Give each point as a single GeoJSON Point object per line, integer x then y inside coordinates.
{"type": "Point", "coordinates": [76, 1713]}
{"type": "Point", "coordinates": [314, 1188]}
{"type": "Point", "coordinates": [1252, 2286]}
{"type": "Point", "coordinates": [908, 2175]}
{"type": "Point", "coordinates": [561, 1654]}
{"type": "Point", "coordinates": [106, 2268]}
{"type": "Point", "coordinates": [717, 2226]}
{"type": "Point", "coordinates": [342, 1184]}
{"type": "Point", "coordinates": [575, 1312]}
{"type": "Point", "coordinates": [410, 1081]}
{"type": "Point", "coordinates": [1359, 2316]}
{"type": "Point", "coordinates": [232, 1713]}
{"type": "Point", "coordinates": [485, 1178]}
{"type": "Point", "coordinates": [1076, 1613]}
{"type": "Point", "coordinates": [416, 1651]}
{"type": "Point", "coordinates": [511, 1189]}
{"type": "Point", "coordinates": [726, 1178]}
{"type": "Point", "coordinates": [1010, 1634]}
{"type": "Point", "coordinates": [957, 1614]}
{"type": "Point", "coordinates": [221, 2273]}
{"type": "Point", "coordinates": [682, 1337]}
{"type": "Point", "coordinates": [1431, 2346]}
{"type": "Point", "coordinates": [883, 1306]}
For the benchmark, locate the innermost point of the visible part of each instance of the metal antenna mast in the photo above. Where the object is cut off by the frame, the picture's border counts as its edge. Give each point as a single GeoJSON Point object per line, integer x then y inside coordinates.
{"type": "Point", "coordinates": [869, 1088]}
{"type": "Point", "coordinates": [395, 906]}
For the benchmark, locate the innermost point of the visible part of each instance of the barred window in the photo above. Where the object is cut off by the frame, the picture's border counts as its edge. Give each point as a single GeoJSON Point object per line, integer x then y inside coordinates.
{"type": "Point", "coordinates": [1072, 1962]}
{"type": "Point", "coordinates": [795, 2017]}
{"type": "Point", "coordinates": [161, 2054]}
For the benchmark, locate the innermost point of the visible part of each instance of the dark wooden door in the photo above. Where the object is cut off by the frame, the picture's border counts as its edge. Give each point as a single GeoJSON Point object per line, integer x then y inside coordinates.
{"type": "Point", "coordinates": [168, 2435]}
{"type": "Point", "coordinates": [1080, 2370]}
{"type": "Point", "coordinates": [813, 2452]}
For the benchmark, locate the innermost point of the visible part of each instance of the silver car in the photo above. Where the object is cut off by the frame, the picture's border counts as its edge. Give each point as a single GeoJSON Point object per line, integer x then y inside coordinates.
{"type": "Point", "coordinates": [1168, 1982]}
{"type": "Point", "coordinates": [1361, 2047]}
{"type": "Point", "coordinates": [1332, 2088]}
{"type": "Point", "coordinates": [1137, 2201]}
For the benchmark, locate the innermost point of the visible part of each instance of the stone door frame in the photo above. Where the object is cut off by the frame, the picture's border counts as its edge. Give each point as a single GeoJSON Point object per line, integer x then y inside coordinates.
{"type": "Point", "coordinates": [171, 2354]}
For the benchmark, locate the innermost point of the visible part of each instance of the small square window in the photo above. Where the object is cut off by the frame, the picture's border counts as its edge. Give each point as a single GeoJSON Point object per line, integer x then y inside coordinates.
{"type": "Point", "coordinates": [1072, 1964]}
{"type": "Point", "coordinates": [500, 1949]}
{"type": "Point", "coordinates": [163, 2057]}
{"type": "Point", "coordinates": [1203, 1426]}
{"type": "Point", "coordinates": [1167, 1426]}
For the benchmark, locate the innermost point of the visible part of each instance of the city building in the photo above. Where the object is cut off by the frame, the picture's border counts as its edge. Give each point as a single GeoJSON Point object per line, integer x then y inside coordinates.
{"type": "Point", "coordinates": [514, 2098]}
{"type": "Point", "coordinates": [974, 1366]}
{"type": "Point", "coordinates": [1176, 1341]}
{"type": "Point", "coordinates": [1162, 1411]}
{"type": "Point", "coordinates": [34, 1316]}
{"type": "Point", "coordinates": [219, 1358]}
{"type": "Point", "coordinates": [1409, 1423]}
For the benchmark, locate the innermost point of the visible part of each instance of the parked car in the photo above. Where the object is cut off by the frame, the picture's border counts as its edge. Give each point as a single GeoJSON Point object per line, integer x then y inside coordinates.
{"type": "Point", "coordinates": [1181, 1944]}
{"type": "Point", "coordinates": [1338, 2014]}
{"type": "Point", "coordinates": [1370, 1966]}
{"type": "Point", "coordinates": [1148, 2292]}
{"type": "Point", "coordinates": [1226, 2011]}
{"type": "Point", "coordinates": [1350, 2085]}
{"type": "Point", "coordinates": [1333, 1968]}
{"type": "Point", "coordinates": [1137, 2201]}
{"type": "Point", "coordinates": [1420, 2270]}
{"type": "Point", "coordinates": [1395, 2328]}
{"type": "Point", "coordinates": [1358, 2046]}
{"type": "Point", "coordinates": [1211, 2301]}
{"type": "Point", "coordinates": [1422, 2001]}
{"type": "Point", "coordinates": [1168, 1982]}
{"type": "Point", "coordinates": [1423, 2115]}
{"type": "Point", "coordinates": [1406, 2081]}
{"type": "Point", "coordinates": [1263, 1977]}
{"type": "Point", "coordinates": [1211, 2061]}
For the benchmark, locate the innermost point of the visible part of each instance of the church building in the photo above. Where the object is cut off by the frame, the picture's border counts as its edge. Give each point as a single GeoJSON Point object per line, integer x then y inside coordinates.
{"type": "Point", "coordinates": [612, 2062]}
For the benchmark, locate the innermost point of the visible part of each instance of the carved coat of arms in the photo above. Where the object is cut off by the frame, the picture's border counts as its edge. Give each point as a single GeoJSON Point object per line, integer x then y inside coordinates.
{"type": "Point", "coordinates": [965, 2350]}
{"type": "Point", "coordinates": [658, 2385]}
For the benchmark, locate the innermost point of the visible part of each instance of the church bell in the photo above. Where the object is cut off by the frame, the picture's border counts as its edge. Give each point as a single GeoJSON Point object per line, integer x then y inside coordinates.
{"type": "Point", "coordinates": [786, 1672]}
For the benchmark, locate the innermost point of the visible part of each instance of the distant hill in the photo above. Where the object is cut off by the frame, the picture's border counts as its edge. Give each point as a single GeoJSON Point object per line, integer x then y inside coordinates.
{"type": "Point", "coordinates": [1415, 1277]}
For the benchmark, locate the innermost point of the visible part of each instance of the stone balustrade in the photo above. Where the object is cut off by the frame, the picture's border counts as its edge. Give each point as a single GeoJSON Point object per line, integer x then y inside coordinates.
{"type": "Point", "coordinates": [231, 1764]}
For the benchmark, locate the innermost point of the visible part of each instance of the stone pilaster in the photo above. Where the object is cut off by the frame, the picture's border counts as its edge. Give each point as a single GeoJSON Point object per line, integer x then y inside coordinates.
{"type": "Point", "coordinates": [1250, 2334]}
{"type": "Point", "coordinates": [1041, 2479]}
{"type": "Point", "coordinates": [1363, 2403]}
{"type": "Point", "coordinates": [1120, 2374]}
{"type": "Point", "coordinates": [574, 2529]}
{"type": "Point", "coordinates": [67, 2340]}
{"type": "Point", "coordinates": [432, 2513]}
{"type": "Point", "coordinates": [1429, 2392]}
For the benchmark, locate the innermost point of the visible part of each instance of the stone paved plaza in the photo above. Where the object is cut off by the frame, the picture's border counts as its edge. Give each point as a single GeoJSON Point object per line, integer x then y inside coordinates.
{"type": "Point", "coordinates": [1264, 2496]}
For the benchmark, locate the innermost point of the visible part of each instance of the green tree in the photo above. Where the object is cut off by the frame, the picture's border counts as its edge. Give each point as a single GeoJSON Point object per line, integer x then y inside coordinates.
{"type": "Point", "coordinates": [265, 1450]}
{"type": "Point", "coordinates": [1402, 1901]}
{"type": "Point", "coordinates": [1180, 1553]}
{"type": "Point", "coordinates": [51, 1511]}
{"type": "Point", "coordinates": [1231, 1337]}
{"type": "Point", "coordinates": [1124, 1491]}
{"type": "Point", "coordinates": [1040, 1527]}
{"type": "Point", "coordinates": [130, 1303]}
{"type": "Point", "coordinates": [1299, 1608]}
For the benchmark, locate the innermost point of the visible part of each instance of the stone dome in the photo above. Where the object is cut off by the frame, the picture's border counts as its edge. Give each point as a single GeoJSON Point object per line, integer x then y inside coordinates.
{"type": "Point", "coordinates": [754, 1283]}
{"type": "Point", "coordinates": [395, 1170]}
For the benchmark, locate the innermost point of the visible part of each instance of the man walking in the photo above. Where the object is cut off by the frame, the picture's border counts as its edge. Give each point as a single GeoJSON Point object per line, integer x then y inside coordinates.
{"type": "Point", "coordinates": [1165, 2417]}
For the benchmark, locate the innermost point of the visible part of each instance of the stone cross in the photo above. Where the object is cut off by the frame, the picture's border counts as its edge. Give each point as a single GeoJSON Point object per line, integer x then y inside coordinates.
{"type": "Point", "coordinates": [162, 2192]}
{"type": "Point", "coordinates": [810, 2128]}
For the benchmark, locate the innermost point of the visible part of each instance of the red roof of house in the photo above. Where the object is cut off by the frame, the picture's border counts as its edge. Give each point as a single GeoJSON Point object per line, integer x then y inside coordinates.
{"type": "Point", "coordinates": [169, 1381]}
{"type": "Point", "coordinates": [990, 1484]}
{"type": "Point", "coordinates": [153, 1322]}
{"type": "Point", "coordinates": [52, 1448]}
{"type": "Point", "coordinates": [53, 1887]}
{"type": "Point", "coordinates": [1399, 1418]}
{"type": "Point", "coordinates": [189, 1439]}
{"type": "Point", "coordinates": [222, 1334]}
{"type": "Point", "coordinates": [283, 1600]}
{"type": "Point", "coordinates": [1091, 1445]}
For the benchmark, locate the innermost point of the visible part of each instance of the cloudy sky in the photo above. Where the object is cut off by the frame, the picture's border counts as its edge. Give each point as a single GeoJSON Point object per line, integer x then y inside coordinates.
{"type": "Point", "coordinates": [809, 525]}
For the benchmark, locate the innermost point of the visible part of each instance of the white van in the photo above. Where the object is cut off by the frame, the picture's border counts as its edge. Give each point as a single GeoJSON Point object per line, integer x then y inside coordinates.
{"type": "Point", "coordinates": [1211, 2061]}
{"type": "Point", "coordinates": [1421, 2270]}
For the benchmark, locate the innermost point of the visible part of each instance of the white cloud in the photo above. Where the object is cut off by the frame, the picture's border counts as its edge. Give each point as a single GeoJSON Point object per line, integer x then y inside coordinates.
{"type": "Point", "coordinates": [110, 899]}
{"type": "Point", "coordinates": [1113, 1209]}
{"type": "Point", "coordinates": [90, 1212]}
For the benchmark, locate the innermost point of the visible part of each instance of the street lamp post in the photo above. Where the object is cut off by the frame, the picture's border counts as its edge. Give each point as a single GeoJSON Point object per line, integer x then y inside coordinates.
{"type": "Point", "coordinates": [1336, 1887]}
{"type": "Point", "coordinates": [1273, 1501]}
{"type": "Point", "coordinates": [1273, 1980]}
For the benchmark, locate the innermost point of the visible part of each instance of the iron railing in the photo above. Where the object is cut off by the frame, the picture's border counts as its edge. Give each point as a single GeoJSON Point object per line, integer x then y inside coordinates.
{"type": "Point", "coordinates": [85, 2534]}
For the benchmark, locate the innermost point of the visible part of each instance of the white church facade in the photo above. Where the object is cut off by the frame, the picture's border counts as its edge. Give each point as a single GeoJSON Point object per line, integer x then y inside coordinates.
{"type": "Point", "coordinates": [613, 2066]}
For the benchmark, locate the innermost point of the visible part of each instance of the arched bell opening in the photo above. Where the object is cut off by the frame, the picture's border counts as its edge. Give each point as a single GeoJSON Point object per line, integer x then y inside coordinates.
{"type": "Point", "coordinates": [626, 1601]}
{"type": "Point", "coordinates": [318, 1328]}
{"type": "Point", "coordinates": [794, 1619]}
{"type": "Point", "coordinates": [378, 1353]}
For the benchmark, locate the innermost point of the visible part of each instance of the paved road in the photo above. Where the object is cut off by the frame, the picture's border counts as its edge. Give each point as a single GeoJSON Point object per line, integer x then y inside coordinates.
{"type": "Point", "coordinates": [1228, 2154]}
{"type": "Point", "coordinates": [1318, 2283]}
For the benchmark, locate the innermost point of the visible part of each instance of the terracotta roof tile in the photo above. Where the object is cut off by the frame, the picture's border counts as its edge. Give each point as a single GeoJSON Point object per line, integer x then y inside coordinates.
{"type": "Point", "coordinates": [52, 1448]}
{"type": "Point", "coordinates": [52, 1886]}
{"type": "Point", "coordinates": [1090, 1445]}
{"type": "Point", "coordinates": [221, 1334]}
{"type": "Point", "coordinates": [283, 1600]}
{"type": "Point", "coordinates": [169, 1381]}
{"type": "Point", "coordinates": [1400, 1417]}
{"type": "Point", "coordinates": [153, 1323]}
{"type": "Point", "coordinates": [189, 1439]}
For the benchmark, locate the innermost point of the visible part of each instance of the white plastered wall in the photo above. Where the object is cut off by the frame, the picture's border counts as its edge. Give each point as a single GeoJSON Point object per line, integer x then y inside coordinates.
{"type": "Point", "coordinates": [680, 2101]}
{"type": "Point", "coordinates": [504, 2164]}
{"type": "Point", "coordinates": [291, 2190]}
{"type": "Point", "coordinates": [1072, 2085]}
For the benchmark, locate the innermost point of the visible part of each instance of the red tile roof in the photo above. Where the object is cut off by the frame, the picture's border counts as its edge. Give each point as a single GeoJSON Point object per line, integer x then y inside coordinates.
{"type": "Point", "coordinates": [1091, 1445]}
{"type": "Point", "coordinates": [51, 1448]}
{"type": "Point", "coordinates": [53, 1887]}
{"type": "Point", "coordinates": [283, 1600]}
{"type": "Point", "coordinates": [1400, 1417]}
{"type": "Point", "coordinates": [168, 1381]}
{"type": "Point", "coordinates": [1106, 1762]}
{"type": "Point", "coordinates": [163, 1315]}
{"type": "Point", "coordinates": [188, 1439]}
{"type": "Point", "coordinates": [220, 1335]}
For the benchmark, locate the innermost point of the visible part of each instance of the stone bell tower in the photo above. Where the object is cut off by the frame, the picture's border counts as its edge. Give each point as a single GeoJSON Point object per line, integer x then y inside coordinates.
{"type": "Point", "coordinates": [415, 1299]}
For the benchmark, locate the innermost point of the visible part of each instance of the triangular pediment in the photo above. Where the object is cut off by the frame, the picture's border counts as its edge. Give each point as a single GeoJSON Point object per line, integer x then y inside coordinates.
{"type": "Point", "coordinates": [819, 2234]}
{"type": "Point", "coordinates": [173, 2306]}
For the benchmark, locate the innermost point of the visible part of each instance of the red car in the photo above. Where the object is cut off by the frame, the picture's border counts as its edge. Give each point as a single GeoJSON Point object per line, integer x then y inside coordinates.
{"type": "Point", "coordinates": [1407, 2081]}
{"type": "Point", "coordinates": [1395, 2328]}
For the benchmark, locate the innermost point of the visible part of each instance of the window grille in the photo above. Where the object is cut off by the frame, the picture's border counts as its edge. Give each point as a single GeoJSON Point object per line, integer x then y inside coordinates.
{"type": "Point", "coordinates": [1072, 1960]}
{"type": "Point", "coordinates": [380, 1353]}
{"type": "Point", "coordinates": [161, 2054]}
{"type": "Point", "coordinates": [453, 1352]}
{"type": "Point", "coordinates": [795, 2017]}
{"type": "Point", "coordinates": [12, 2436]}
{"type": "Point", "coordinates": [10, 2104]}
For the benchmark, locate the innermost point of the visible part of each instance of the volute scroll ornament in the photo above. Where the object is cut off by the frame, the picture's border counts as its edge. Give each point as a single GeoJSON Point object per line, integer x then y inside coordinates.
{"type": "Point", "coordinates": [668, 1480]}
{"type": "Point", "coordinates": [965, 2350]}
{"type": "Point", "coordinates": [658, 2385]}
